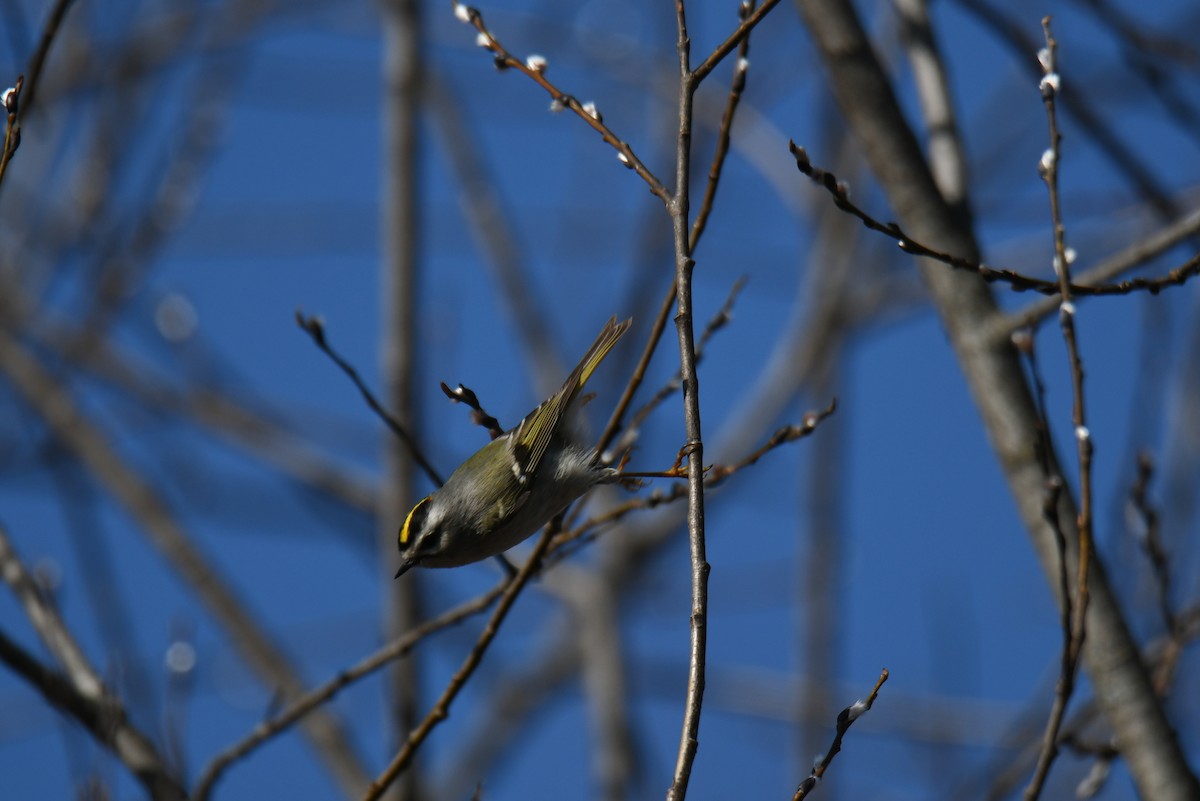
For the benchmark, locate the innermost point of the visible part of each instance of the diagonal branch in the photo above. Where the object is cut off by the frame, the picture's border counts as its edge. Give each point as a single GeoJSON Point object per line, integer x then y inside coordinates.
{"type": "Point", "coordinates": [79, 693]}
{"type": "Point", "coordinates": [86, 442]}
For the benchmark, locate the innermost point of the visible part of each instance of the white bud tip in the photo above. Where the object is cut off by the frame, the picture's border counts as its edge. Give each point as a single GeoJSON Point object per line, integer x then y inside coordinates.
{"type": "Point", "coordinates": [1068, 308]}
{"type": "Point", "coordinates": [901, 243]}
{"type": "Point", "coordinates": [7, 96]}
{"type": "Point", "coordinates": [536, 63]}
{"type": "Point", "coordinates": [462, 13]}
{"type": "Point", "coordinates": [621, 157]}
{"type": "Point", "coordinates": [1047, 160]}
{"type": "Point", "coordinates": [1050, 82]}
{"type": "Point", "coordinates": [483, 40]}
{"type": "Point", "coordinates": [1070, 254]}
{"type": "Point", "coordinates": [1045, 60]}
{"type": "Point", "coordinates": [459, 391]}
{"type": "Point", "coordinates": [856, 710]}
{"type": "Point", "coordinates": [556, 105]}
{"type": "Point", "coordinates": [743, 64]}
{"type": "Point", "coordinates": [1082, 434]}
{"type": "Point", "coordinates": [589, 108]}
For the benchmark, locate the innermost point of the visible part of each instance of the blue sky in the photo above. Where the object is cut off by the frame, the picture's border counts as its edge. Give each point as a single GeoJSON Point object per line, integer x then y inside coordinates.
{"type": "Point", "coordinates": [937, 579]}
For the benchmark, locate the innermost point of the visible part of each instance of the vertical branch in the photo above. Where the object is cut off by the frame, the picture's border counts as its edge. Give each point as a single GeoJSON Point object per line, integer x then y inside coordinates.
{"type": "Point", "coordinates": [1074, 610]}
{"type": "Point", "coordinates": [678, 208]}
{"type": "Point", "coordinates": [401, 251]}
{"type": "Point", "coordinates": [947, 161]}
{"type": "Point", "coordinates": [1066, 319]}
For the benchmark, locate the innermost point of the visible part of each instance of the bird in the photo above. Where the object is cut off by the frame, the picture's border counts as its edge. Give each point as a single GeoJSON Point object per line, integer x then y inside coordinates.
{"type": "Point", "coordinates": [513, 485]}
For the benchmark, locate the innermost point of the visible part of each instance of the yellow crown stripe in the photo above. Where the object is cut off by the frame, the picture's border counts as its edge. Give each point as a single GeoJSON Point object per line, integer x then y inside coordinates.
{"type": "Point", "coordinates": [405, 530]}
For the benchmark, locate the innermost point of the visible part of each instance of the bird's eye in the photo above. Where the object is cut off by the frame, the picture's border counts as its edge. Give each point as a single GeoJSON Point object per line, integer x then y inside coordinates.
{"type": "Point", "coordinates": [413, 524]}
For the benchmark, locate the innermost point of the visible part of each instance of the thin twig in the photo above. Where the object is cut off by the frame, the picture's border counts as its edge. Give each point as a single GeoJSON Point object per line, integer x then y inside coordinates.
{"type": "Point", "coordinates": [12, 127]}
{"type": "Point", "coordinates": [479, 416]}
{"type": "Point", "coordinates": [536, 70]}
{"type": "Point", "coordinates": [1020, 282]}
{"type": "Point", "coordinates": [38, 61]}
{"type": "Point", "coordinates": [724, 131]}
{"type": "Point", "coordinates": [24, 90]}
{"type": "Point", "coordinates": [1150, 540]}
{"type": "Point", "coordinates": [714, 476]}
{"type": "Point", "coordinates": [845, 720]}
{"type": "Point", "coordinates": [784, 435]}
{"type": "Point", "coordinates": [1074, 631]}
{"type": "Point", "coordinates": [672, 385]}
{"type": "Point", "coordinates": [1128, 161]}
{"type": "Point", "coordinates": [734, 40]}
{"type": "Point", "coordinates": [441, 709]}
{"type": "Point", "coordinates": [1141, 251]}
{"type": "Point", "coordinates": [302, 705]}
{"type": "Point", "coordinates": [315, 328]}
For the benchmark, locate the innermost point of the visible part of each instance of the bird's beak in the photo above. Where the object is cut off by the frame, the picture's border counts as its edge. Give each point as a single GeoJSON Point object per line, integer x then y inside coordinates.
{"type": "Point", "coordinates": [404, 567]}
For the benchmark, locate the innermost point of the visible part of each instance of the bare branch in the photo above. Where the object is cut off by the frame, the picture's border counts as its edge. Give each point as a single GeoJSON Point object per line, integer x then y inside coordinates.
{"type": "Point", "coordinates": [1019, 281]}
{"type": "Point", "coordinates": [535, 69]}
{"type": "Point", "coordinates": [1074, 611]}
{"type": "Point", "coordinates": [845, 720]}
{"type": "Point", "coordinates": [79, 693]}
{"type": "Point", "coordinates": [964, 303]}
{"type": "Point", "coordinates": [721, 150]}
{"type": "Point", "coordinates": [441, 709]}
{"type": "Point", "coordinates": [312, 699]}
{"type": "Point", "coordinates": [315, 328]}
{"type": "Point", "coordinates": [684, 265]}
{"type": "Point", "coordinates": [51, 401]}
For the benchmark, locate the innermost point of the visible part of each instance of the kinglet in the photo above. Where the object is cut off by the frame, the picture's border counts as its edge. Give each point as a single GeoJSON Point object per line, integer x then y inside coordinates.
{"type": "Point", "coordinates": [512, 486]}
